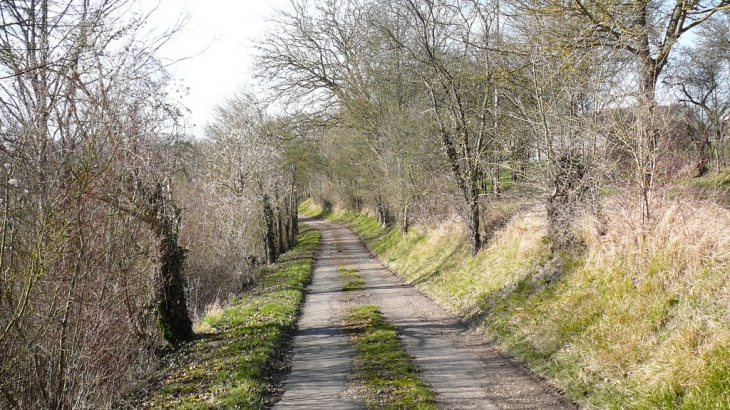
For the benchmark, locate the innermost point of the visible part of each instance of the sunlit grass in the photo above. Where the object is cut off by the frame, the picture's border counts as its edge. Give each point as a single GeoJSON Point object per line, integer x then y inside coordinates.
{"type": "Point", "coordinates": [236, 361]}
{"type": "Point", "coordinates": [382, 364]}
{"type": "Point", "coordinates": [352, 279]}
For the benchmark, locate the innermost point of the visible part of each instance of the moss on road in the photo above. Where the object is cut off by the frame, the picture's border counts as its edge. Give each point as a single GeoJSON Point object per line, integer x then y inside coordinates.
{"type": "Point", "coordinates": [382, 364]}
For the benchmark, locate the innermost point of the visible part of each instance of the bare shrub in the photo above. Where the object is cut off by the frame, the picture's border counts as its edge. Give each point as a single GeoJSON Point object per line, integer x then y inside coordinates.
{"type": "Point", "coordinates": [223, 252]}
{"type": "Point", "coordinates": [240, 200]}
{"type": "Point", "coordinates": [88, 141]}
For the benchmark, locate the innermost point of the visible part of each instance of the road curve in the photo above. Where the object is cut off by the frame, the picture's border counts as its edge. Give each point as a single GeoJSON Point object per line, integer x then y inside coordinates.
{"type": "Point", "coordinates": [460, 365]}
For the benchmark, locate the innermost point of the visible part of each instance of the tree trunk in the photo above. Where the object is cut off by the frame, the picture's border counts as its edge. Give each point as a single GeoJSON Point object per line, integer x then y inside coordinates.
{"type": "Point", "coordinates": [405, 222]}
{"type": "Point", "coordinates": [286, 229]}
{"type": "Point", "coordinates": [280, 233]}
{"type": "Point", "coordinates": [173, 319]}
{"type": "Point", "coordinates": [647, 140]}
{"type": "Point", "coordinates": [293, 216]}
{"type": "Point", "coordinates": [496, 187]}
{"type": "Point", "coordinates": [382, 213]}
{"type": "Point", "coordinates": [705, 152]}
{"type": "Point", "coordinates": [270, 231]}
{"type": "Point", "coordinates": [475, 238]}
{"type": "Point", "coordinates": [569, 190]}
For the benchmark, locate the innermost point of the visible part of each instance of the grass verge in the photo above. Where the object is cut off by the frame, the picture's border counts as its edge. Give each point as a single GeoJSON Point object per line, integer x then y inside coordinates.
{"type": "Point", "coordinates": [237, 360]}
{"type": "Point", "coordinates": [382, 364]}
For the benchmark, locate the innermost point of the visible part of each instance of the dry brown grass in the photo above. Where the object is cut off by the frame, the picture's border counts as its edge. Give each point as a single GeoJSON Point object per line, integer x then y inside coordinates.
{"type": "Point", "coordinates": [695, 231]}
{"type": "Point", "coordinates": [213, 311]}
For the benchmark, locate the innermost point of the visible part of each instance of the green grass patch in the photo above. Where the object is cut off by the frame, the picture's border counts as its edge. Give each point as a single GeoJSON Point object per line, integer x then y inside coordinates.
{"type": "Point", "coordinates": [719, 180]}
{"type": "Point", "coordinates": [714, 185]}
{"type": "Point", "coordinates": [382, 364]}
{"type": "Point", "coordinates": [352, 279]}
{"type": "Point", "coordinates": [237, 362]}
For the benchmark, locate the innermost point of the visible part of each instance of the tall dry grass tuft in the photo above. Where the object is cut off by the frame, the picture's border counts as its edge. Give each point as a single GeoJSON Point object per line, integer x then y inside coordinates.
{"type": "Point", "coordinates": [529, 229]}
{"type": "Point", "coordinates": [695, 230]}
{"type": "Point", "coordinates": [664, 301]}
{"type": "Point", "coordinates": [213, 312]}
{"type": "Point", "coordinates": [687, 244]}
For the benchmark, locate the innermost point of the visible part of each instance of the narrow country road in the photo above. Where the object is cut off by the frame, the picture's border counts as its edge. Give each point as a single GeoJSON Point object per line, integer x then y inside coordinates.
{"type": "Point", "coordinates": [322, 359]}
{"type": "Point", "coordinates": [463, 369]}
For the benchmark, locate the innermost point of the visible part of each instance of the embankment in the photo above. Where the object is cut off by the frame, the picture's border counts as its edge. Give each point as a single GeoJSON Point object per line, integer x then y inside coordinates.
{"type": "Point", "coordinates": [640, 319]}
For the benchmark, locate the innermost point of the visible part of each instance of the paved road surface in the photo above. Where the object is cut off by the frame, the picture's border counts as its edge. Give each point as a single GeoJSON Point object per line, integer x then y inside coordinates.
{"type": "Point", "coordinates": [322, 358]}
{"type": "Point", "coordinates": [458, 363]}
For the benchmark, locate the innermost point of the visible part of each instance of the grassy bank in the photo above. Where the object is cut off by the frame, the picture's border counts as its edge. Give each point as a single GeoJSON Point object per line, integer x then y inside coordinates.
{"type": "Point", "coordinates": [237, 360]}
{"type": "Point", "coordinates": [640, 320]}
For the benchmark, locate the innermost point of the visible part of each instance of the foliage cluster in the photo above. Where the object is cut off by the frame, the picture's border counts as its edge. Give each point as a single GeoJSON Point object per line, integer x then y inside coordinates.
{"type": "Point", "coordinates": [580, 145]}
{"type": "Point", "coordinates": [105, 203]}
{"type": "Point", "coordinates": [426, 110]}
{"type": "Point", "coordinates": [90, 142]}
{"type": "Point", "coordinates": [419, 111]}
{"type": "Point", "coordinates": [240, 201]}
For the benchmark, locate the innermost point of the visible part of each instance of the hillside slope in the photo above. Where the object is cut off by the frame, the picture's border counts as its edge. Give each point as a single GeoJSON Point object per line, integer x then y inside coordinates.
{"type": "Point", "coordinates": [639, 320]}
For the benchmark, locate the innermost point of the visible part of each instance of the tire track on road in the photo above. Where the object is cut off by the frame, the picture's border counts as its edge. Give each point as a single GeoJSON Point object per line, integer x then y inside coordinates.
{"type": "Point", "coordinates": [462, 367]}
{"type": "Point", "coordinates": [459, 364]}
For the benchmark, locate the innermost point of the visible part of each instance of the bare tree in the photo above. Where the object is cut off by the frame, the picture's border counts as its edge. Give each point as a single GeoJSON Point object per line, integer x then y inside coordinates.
{"type": "Point", "coordinates": [702, 83]}
{"type": "Point", "coordinates": [557, 95]}
{"type": "Point", "coordinates": [648, 32]}
{"type": "Point", "coordinates": [336, 57]}
{"type": "Point", "coordinates": [456, 41]}
{"type": "Point", "coordinates": [79, 262]}
{"type": "Point", "coordinates": [248, 160]}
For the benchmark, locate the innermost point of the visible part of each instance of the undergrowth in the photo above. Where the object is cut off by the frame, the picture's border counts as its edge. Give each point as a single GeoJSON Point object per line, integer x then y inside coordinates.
{"type": "Point", "coordinates": [641, 320]}
{"type": "Point", "coordinates": [382, 364]}
{"type": "Point", "coordinates": [237, 360]}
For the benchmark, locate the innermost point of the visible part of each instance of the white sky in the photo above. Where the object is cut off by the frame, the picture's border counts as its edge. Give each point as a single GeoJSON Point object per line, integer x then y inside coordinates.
{"type": "Point", "coordinates": [222, 32]}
